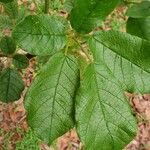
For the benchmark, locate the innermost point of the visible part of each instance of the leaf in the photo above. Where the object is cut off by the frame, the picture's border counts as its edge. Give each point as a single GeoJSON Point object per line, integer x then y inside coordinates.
{"type": "Point", "coordinates": [140, 10]}
{"type": "Point", "coordinates": [134, 49]}
{"type": "Point", "coordinates": [87, 14]}
{"type": "Point", "coordinates": [22, 13]}
{"type": "Point", "coordinates": [12, 9]}
{"type": "Point", "coordinates": [7, 45]}
{"type": "Point", "coordinates": [68, 5]}
{"type": "Point", "coordinates": [20, 61]}
{"type": "Point", "coordinates": [6, 1]}
{"type": "Point", "coordinates": [5, 22]}
{"type": "Point", "coordinates": [139, 27]}
{"type": "Point", "coordinates": [11, 85]}
{"type": "Point", "coordinates": [103, 116]}
{"type": "Point", "coordinates": [41, 35]}
{"type": "Point", "coordinates": [50, 99]}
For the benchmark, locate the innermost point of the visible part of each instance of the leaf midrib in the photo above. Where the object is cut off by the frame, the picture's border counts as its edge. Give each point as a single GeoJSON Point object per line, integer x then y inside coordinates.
{"type": "Point", "coordinates": [50, 34]}
{"type": "Point", "coordinates": [8, 85]}
{"type": "Point", "coordinates": [55, 94]}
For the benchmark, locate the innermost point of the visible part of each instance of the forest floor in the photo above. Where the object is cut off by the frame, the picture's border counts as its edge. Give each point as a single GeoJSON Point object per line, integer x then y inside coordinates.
{"type": "Point", "coordinates": [16, 135]}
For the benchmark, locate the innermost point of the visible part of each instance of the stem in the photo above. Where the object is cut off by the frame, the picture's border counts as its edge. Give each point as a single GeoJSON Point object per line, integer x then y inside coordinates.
{"type": "Point", "coordinates": [9, 61]}
{"type": "Point", "coordinates": [46, 6]}
{"type": "Point", "coordinates": [83, 50]}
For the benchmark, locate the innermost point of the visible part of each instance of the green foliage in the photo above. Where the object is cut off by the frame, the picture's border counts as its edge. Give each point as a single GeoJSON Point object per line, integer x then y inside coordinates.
{"type": "Point", "coordinates": [7, 45]}
{"type": "Point", "coordinates": [11, 85]}
{"type": "Point", "coordinates": [20, 61]}
{"type": "Point", "coordinates": [138, 23]}
{"type": "Point", "coordinates": [100, 119]}
{"type": "Point", "coordinates": [12, 9]}
{"type": "Point", "coordinates": [83, 78]}
{"type": "Point", "coordinates": [68, 5]}
{"type": "Point", "coordinates": [86, 14]}
{"type": "Point", "coordinates": [129, 47]}
{"type": "Point", "coordinates": [46, 34]}
{"type": "Point", "coordinates": [139, 27]}
{"type": "Point", "coordinates": [6, 1]}
{"type": "Point", "coordinates": [102, 90]}
{"type": "Point", "coordinates": [29, 142]}
{"type": "Point", "coordinates": [5, 22]}
{"type": "Point", "coordinates": [50, 99]}
{"type": "Point", "coordinates": [139, 10]}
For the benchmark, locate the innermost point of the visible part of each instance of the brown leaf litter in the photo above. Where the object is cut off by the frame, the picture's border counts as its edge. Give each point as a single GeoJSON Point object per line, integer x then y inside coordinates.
{"type": "Point", "coordinates": [141, 105]}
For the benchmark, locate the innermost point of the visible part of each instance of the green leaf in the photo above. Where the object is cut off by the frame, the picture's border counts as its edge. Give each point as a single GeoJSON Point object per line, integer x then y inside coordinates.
{"type": "Point", "coordinates": [104, 118]}
{"type": "Point", "coordinates": [87, 14]}
{"type": "Point", "coordinates": [6, 1]}
{"type": "Point", "coordinates": [20, 61]}
{"type": "Point", "coordinates": [68, 5]}
{"type": "Point", "coordinates": [139, 27]}
{"type": "Point", "coordinates": [41, 35]}
{"type": "Point", "coordinates": [5, 22]}
{"type": "Point", "coordinates": [11, 85]}
{"type": "Point", "coordinates": [134, 49]}
{"type": "Point", "coordinates": [7, 45]}
{"type": "Point", "coordinates": [140, 10]}
{"type": "Point", "coordinates": [22, 13]}
{"type": "Point", "coordinates": [12, 9]}
{"type": "Point", "coordinates": [50, 99]}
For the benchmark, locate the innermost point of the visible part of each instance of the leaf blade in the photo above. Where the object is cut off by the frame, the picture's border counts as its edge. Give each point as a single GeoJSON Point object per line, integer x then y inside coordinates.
{"type": "Point", "coordinates": [20, 61]}
{"type": "Point", "coordinates": [87, 14]}
{"type": "Point", "coordinates": [103, 121]}
{"type": "Point", "coordinates": [139, 27]}
{"type": "Point", "coordinates": [46, 34]}
{"type": "Point", "coordinates": [56, 91]}
{"type": "Point", "coordinates": [130, 47]}
{"type": "Point", "coordinates": [11, 85]}
{"type": "Point", "coordinates": [7, 45]}
{"type": "Point", "coordinates": [139, 10]}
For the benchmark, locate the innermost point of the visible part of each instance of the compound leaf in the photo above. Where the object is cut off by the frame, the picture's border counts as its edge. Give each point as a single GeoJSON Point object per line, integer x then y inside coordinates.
{"type": "Point", "coordinates": [50, 99]}
{"type": "Point", "coordinates": [140, 10]}
{"type": "Point", "coordinates": [11, 85]}
{"type": "Point", "coordinates": [139, 27]}
{"type": "Point", "coordinates": [104, 118]}
{"type": "Point", "coordinates": [41, 35]}
{"type": "Point", "coordinates": [20, 61]}
{"type": "Point", "coordinates": [86, 14]}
